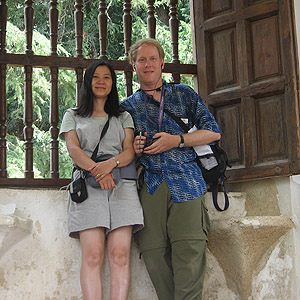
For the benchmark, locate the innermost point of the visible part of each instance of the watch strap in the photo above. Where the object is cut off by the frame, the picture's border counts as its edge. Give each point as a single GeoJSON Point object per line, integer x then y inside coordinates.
{"type": "Point", "coordinates": [181, 141]}
{"type": "Point", "coordinates": [115, 159]}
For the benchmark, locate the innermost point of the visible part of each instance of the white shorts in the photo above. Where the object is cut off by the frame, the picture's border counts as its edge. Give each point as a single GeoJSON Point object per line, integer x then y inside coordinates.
{"type": "Point", "coordinates": [110, 209]}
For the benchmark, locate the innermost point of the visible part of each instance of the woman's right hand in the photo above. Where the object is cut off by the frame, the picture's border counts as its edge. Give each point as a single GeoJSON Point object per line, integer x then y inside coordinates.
{"type": "Point", "coordinates": [139, 144]}
{"type": "Point", "coordinates": [107, 182]}
{"type": "Point", "coordinates": [101, 169]}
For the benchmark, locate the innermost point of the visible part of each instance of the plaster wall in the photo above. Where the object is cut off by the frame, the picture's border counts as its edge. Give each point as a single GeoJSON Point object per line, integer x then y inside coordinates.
{"type": "Point", "coordinates": [276, 276]}
{"type": "Point", "coordinates": [45, 262]}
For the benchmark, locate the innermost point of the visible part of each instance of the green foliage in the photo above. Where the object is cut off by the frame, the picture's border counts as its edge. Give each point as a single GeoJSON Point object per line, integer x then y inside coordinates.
{"type": "Point", "coordinates": [65, 163]}
{"type": "Point", "coordinates": [66, 91]}
{"type": "Point", "coordinates": [41, 153]}
{"type": "Point", "coordinates": [15, 157]}
{"type": "Point", "coordinates": [41, 83]}
{"type": "Point", "coordinates": [41, 156]}
{"type": "Point", "coordinates": [41, 103]}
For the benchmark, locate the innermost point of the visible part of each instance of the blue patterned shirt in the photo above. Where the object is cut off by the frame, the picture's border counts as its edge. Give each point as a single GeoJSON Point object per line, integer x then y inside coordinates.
{"type": "Point", "coordinates": [176, 166]}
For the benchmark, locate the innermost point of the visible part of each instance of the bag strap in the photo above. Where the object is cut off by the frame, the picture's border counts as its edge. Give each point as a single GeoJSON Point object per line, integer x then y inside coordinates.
{"type": "Point", "coordinates": [215, 190]}
{"type": "Point", "coordinates": [104, 130]}
{"type": "Point", "coordinates": [94, 155]}
{"type": "Point", "coordinates": [175, 118]}
{"type": "Point", "coordinates": [214, 186]}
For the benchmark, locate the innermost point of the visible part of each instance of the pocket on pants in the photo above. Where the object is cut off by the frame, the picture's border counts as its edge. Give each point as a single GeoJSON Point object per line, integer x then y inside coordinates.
{"type": "Point", "coordinates": [205, 217]}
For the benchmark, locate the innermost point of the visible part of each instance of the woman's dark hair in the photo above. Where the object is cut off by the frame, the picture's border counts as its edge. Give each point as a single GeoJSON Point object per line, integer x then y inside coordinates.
{"type": "Point", "coordinates": [85, 105]}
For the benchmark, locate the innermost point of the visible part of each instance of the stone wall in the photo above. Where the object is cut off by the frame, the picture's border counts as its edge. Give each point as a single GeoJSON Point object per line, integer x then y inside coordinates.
{"type": "Point", "coordinates": [253, 251]}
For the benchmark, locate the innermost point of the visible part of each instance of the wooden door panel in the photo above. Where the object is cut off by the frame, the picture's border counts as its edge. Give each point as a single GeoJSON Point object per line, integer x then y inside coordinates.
{"type": "Point", "coordinates": [223, 55]}
{"type": "Point", "coordinates": [216, 7]}
{"type": "Point", "coordinates": [265, 170]}
{"type": "Point", "coordinates": [249, 132]}
{"type": "Point", "coordinates": [253, 2]}
{"type": "Point", "coordinates": [246, 67]}
{"type": "Point", "coordinates": [272, 130]}
{"type": "Point", "coordinates": [228, 117]}
{"type": "Point", "coordinates": [265, 48]}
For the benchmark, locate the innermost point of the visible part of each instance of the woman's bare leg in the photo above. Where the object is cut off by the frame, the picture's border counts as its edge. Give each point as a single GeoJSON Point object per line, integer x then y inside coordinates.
{"type": "Point", "coordinates": [92, 245]}
{"type": "Point", "coordinates": [118, 249]}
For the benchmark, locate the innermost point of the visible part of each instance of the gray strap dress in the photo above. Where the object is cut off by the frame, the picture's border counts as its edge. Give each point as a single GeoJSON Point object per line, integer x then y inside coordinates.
{"type": "Point", "coordinates": [113, 208]}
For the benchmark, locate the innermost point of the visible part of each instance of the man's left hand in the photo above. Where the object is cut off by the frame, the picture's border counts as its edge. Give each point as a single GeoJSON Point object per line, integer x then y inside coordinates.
{"type": "Point", "coordinates": [164, 142]}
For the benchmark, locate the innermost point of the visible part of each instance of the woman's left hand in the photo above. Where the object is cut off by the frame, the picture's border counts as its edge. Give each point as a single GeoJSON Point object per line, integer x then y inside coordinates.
{"type": "Point", "coordinates": [107, 182]}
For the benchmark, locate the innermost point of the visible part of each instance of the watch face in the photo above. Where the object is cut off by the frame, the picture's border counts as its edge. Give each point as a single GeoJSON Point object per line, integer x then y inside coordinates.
{"type": "Point", "coordinates": [181, 145]}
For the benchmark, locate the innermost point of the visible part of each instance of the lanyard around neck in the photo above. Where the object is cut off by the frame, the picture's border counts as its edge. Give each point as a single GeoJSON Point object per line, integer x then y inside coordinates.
{"type": "Point", "coordinates": [161, 108]}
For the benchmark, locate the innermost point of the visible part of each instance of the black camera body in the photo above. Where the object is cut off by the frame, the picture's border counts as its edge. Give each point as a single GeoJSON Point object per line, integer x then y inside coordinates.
{"type": "Point", "coordinates": [150, 141]}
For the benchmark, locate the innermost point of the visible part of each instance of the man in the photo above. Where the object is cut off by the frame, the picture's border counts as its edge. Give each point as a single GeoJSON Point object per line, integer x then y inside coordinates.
{"type": "Point", "coordinates": [173, 241]}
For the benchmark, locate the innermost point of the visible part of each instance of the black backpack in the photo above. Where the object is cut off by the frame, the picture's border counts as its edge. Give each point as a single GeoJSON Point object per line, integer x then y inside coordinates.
{"type": "Point", "coordinates": [215, 176]}
{"type": "Point", "coordinates": [212, 174]}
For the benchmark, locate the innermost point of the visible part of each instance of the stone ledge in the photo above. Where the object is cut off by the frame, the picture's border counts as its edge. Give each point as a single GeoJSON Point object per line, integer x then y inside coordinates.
{"type": "Point", "coordinates": [12, 230]}
{"type": "Point", "coordinates": [240, 243]}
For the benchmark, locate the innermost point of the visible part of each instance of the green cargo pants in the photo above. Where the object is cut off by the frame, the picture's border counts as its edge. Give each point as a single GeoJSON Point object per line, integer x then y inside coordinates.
{"type": "Point", "coordinates": [173, 244]}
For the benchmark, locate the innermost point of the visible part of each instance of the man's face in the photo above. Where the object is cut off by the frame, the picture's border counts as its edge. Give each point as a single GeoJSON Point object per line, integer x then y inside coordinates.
{"type": "Point", "coordinates": [148, 65]}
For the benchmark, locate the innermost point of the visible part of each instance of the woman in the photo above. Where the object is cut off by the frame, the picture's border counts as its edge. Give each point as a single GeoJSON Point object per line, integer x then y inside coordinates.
{"type": "Point", "coordinates": [114, 210]}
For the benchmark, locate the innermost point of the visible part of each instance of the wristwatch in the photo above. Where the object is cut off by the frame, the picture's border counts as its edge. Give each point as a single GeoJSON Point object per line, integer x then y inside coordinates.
{"type": "Point", "coordinates": [117, 162]}
{"type": "Point", "coordinates": [181, 145]}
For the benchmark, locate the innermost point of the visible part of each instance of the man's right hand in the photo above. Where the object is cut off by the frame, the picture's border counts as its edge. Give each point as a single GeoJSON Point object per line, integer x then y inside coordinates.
{"type": "Point", "coordinates": [139, 144]}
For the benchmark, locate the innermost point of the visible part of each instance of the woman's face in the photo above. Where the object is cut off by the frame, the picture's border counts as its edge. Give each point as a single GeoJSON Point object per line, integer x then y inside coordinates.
{"type": "Point", "coordinates": [101, 82]}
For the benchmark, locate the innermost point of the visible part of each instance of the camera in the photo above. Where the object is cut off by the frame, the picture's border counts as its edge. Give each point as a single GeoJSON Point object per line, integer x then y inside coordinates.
{"type": "Point", "coordinates": [150, 141]}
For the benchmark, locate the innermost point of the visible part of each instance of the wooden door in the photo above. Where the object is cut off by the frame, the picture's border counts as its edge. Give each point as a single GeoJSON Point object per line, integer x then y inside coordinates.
{"type": "Point", "coordinates": [247, 73]}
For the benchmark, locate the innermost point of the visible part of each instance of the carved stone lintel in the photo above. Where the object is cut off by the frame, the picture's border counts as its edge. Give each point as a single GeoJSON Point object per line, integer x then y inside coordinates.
{"type": "Point", "coordinates": [12, 230]}
{"type": "Point", "coordinates": [239, 244]}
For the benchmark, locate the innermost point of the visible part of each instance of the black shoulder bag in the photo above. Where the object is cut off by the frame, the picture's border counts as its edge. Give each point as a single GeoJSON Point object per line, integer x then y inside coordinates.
{"type": "Point", "coordinates": [210, 175]}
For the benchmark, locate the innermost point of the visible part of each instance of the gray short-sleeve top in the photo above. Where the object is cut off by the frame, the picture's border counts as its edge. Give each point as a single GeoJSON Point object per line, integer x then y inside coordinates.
{"type": "Point", "coordinates": [88, 130]}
